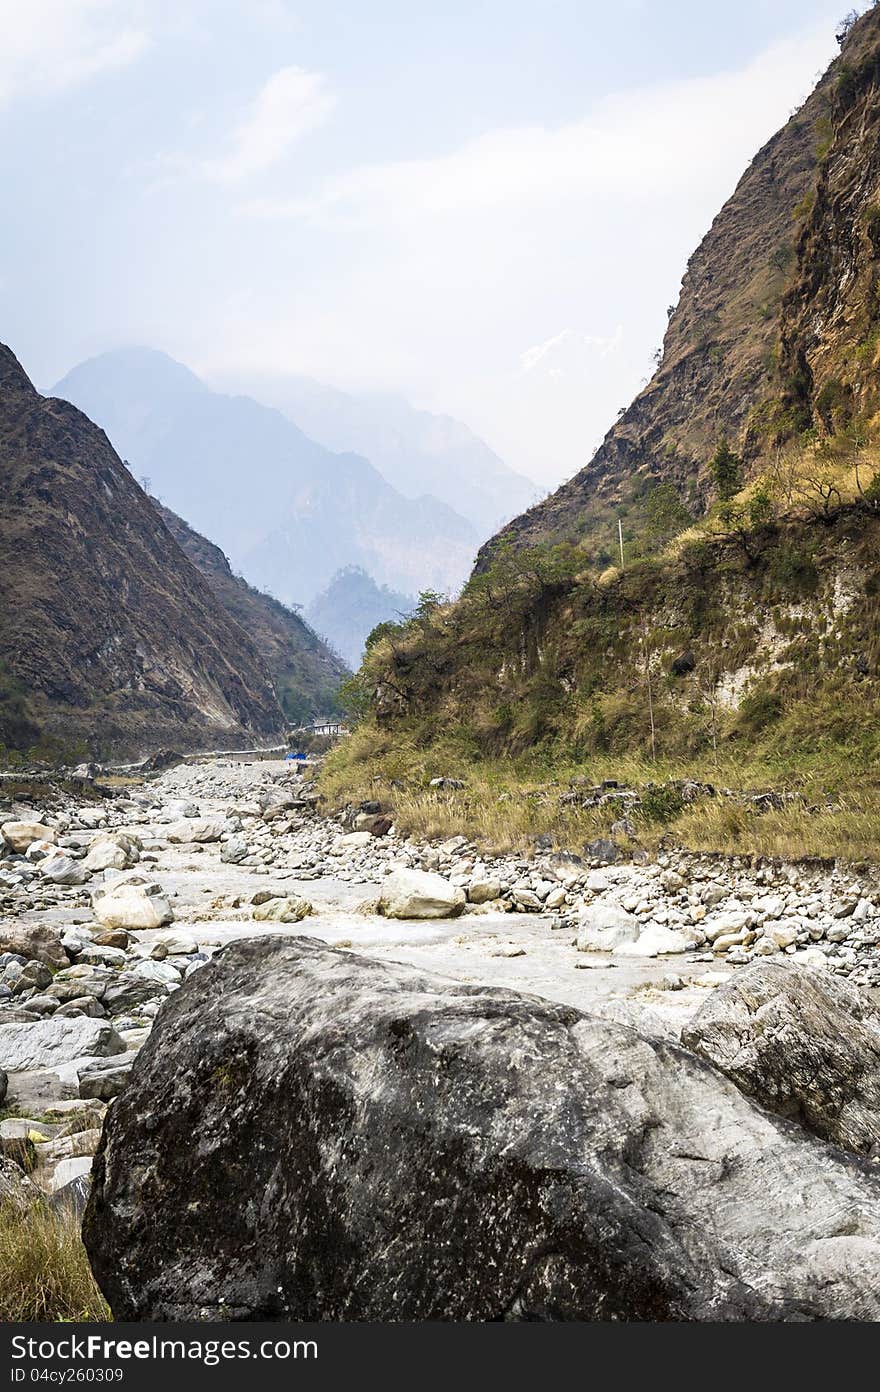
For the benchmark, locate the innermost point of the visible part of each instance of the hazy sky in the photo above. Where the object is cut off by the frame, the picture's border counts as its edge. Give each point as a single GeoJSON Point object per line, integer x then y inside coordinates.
{"type": "Point", "coordinates": [485, 206]}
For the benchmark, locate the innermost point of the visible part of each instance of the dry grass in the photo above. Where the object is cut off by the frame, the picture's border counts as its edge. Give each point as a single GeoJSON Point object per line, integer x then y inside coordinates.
{"type": "Point", "coordinates": [506, 805]}
{"type": "Point", "coordinates": [45, 1275]}
{"type": "Point", "coordinates": [848, 833]}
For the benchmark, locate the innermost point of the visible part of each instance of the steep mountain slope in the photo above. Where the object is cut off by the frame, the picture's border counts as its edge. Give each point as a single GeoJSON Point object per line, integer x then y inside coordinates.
{"type": "Point", "coordinates": [778, 295]}
{"type": "Point", "coordinates": [305, 672]}
{"type": "Point", "coordinates": [755, 631]}
{"type": "Point", "coordinates": [351, 607]}
{"type": "Point", "coordinates": [416, 451]}
{"type": "Point", "coordinates": [284, 509]}
{"type": "Point", "coordinates": [109, 632]}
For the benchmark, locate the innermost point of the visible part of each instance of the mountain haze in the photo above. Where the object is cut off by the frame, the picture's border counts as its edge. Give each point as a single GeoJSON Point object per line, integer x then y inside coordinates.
{"type": "Point", "coordinates": [351, 607]}
{"type": "Point", "coordinates": [416, 451]}
{"type": "Point", "coordinates": [283, 508]}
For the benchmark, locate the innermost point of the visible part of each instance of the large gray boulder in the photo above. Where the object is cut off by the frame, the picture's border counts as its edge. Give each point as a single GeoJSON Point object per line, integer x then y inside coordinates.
{"type": "Point", "coordinates": [805, 1044]}
{"type": "Point", "coordinates": [309, 1135]}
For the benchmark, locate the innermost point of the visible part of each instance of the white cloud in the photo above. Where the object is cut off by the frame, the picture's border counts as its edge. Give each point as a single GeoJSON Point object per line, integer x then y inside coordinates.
{"type": "Point", "coordinates": [633, 145]}
{"type": "Point", "coordinates": [449, 277]}
{"type": "Point", "coordinates": [292, 103]}
{"type": "Point", "coordinates": [569, 353]}
{"type": "Point", "coordinates": [50, 46]}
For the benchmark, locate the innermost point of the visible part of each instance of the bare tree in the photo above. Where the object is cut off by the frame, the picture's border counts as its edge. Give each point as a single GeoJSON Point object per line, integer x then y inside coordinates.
{"type": "Point", "coordinates": [708, 675]}
{"type": "Point", "coordinates": [819, 490]}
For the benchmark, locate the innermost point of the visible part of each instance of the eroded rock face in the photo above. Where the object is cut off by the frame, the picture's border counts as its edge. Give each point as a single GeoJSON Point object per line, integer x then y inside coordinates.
{"type": "Point", "coordinates": [805, 1045]}
{"type": "Point", "coordinates": [308, 1134]}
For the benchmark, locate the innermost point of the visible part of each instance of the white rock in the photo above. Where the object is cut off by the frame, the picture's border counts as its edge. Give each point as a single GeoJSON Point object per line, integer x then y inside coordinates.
{"type": "Point", "coordinates": [132, 904]}
{"type": "Point", "coordinates": [355, 839]}
{"type": "Point", "coordinates": [19, 835]}
{"type": "Point", "coordinates": [603, 927]}
{"type": "Point", "coordinates": [199, 829]}
{"type": "Point", "coordinates": [176, 941]}
{"type": "Point", "coordinates": [419, 894]}
{"type": "Point", "coordinates": [655, 941]}
{"type": "Point", "coordinates": [161, 972]}
{"type": "Point", "coordinates": [112, 851]}
{"type": "Point", "coordinates": [598, 881]}
{"type": "Point", "coordinates": [811, 957]}
{"type": "Point", "coordinates": [782, 934]}
{"type": "Point", "coordinates": [66, 1171]}
{"type": "Point", "coordinates": [726, 924]}
{"type": "Point", "coordinates": [50, 1043]}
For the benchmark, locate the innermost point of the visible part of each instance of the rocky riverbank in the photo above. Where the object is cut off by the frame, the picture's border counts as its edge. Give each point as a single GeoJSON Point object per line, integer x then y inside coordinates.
{"type": "Point", "coordinates": [107, 906]}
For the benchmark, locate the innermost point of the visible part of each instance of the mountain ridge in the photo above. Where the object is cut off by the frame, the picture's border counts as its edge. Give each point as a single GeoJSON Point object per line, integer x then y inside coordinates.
{"type": "Point", "coordinates": [108, 631]}
{"type": "Point", "coordinates": [417, 451]}
{"type": "Point", "coordinates": [305, 672]}
{"type": "Point", "coordinates": [283, 508]}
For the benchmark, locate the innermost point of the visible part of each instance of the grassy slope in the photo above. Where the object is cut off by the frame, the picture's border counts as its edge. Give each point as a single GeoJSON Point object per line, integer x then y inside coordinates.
{"type": "Point", "coordinates": [543, 673]}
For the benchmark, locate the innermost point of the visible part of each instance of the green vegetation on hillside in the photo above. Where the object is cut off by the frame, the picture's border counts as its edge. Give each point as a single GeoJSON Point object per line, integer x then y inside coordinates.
{"type": "Point", "coordinates": [745, 653]}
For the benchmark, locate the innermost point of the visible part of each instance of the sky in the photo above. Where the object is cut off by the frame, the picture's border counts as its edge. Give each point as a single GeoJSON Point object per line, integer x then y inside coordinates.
{"type": "Point", "coordinates": [485, 207]}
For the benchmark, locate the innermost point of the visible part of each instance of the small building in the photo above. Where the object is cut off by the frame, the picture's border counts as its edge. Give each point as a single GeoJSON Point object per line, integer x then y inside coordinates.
{"type": "Point", "coordinates": [328, 727]}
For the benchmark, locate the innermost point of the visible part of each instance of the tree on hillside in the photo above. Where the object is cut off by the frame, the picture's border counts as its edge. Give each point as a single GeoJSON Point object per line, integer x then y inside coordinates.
{"type": "Point", "coordinates": [726, 469]}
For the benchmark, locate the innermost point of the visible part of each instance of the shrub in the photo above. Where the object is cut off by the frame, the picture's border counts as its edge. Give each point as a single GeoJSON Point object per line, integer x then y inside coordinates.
{"type": "Point", "coordinates": [759, 710]}
{"type": "Point", "coordinates": [726, 469]}
{"type": "Point", "coordinates": [45, 1275]}
{"type": "Point", "coordinates": [660, 806]}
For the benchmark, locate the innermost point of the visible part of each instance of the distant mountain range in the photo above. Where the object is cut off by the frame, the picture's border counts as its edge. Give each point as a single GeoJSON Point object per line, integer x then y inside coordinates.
{"type": "Point", "coordinates": [287, 511]}
{"type": "Point", "coordinates": [415, 451]}
{"type": "Point", "coordinates": [351, 607]}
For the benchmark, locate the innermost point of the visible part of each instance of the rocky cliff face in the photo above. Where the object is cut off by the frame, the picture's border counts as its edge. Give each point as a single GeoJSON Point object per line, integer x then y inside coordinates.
{"type": "Point", "coordinates": [109, 633]}
{"type": "Point", "coordinates": [776, 327]}
{"type": "Point", "coordinates": [306, 673]}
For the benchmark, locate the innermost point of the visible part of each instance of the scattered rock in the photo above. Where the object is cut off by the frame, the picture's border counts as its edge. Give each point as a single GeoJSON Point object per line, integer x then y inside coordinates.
{"type": "Point", "coordinates": [19, 835]}
{"type": "Point", "coordinates": [47, 1043]}
{"type": "Point", "coordinates": [34, 940]}
{"type": "Point", "coordinates": [604, 927]}
{"type": "Point", "coordinates": [289, 909]}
